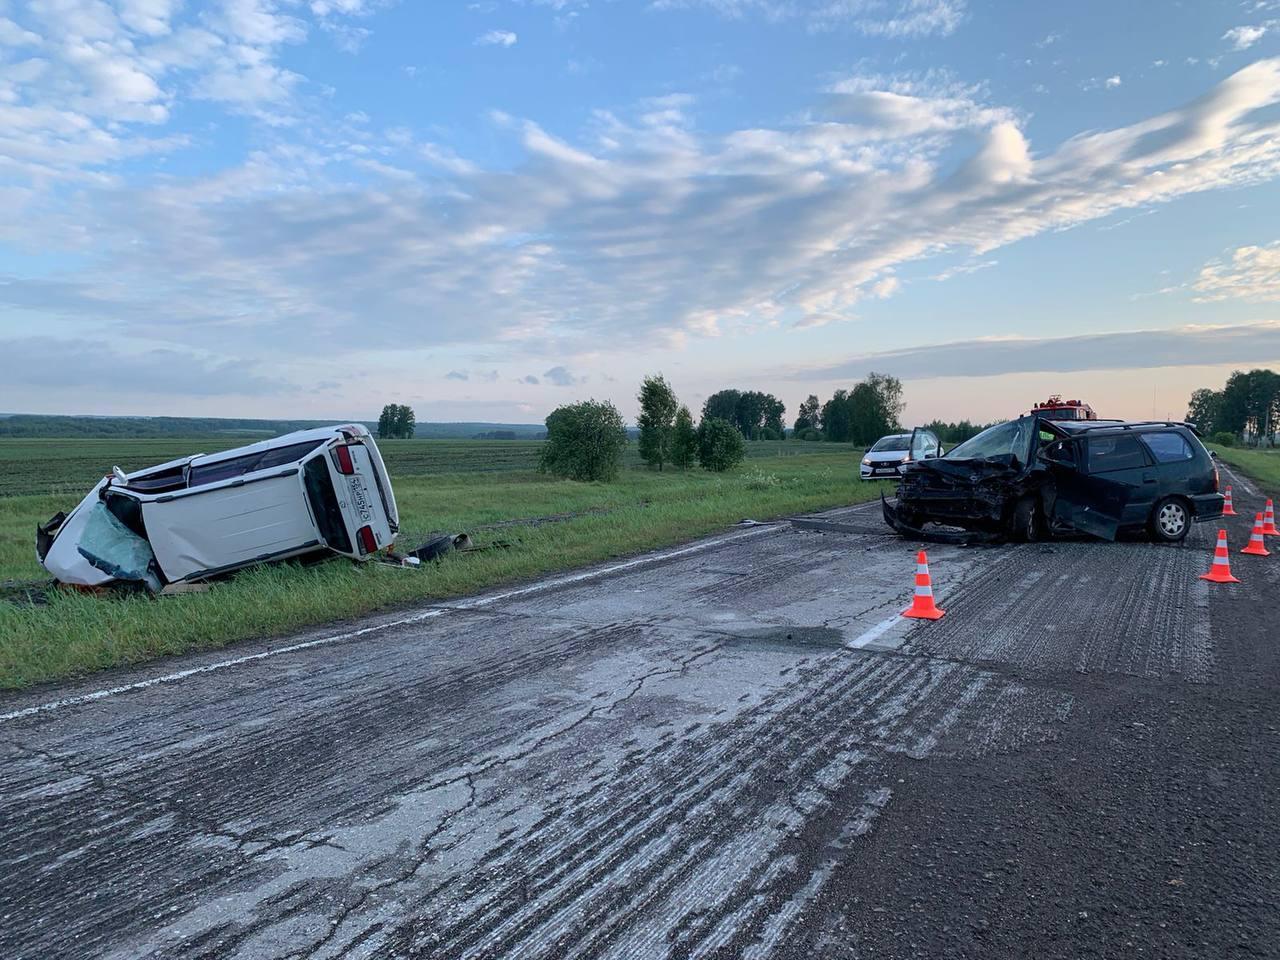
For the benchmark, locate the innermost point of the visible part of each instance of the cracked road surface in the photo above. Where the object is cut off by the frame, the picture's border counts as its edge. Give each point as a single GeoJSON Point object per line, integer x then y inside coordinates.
{"type": "Point", "coordinates": [732, 750]}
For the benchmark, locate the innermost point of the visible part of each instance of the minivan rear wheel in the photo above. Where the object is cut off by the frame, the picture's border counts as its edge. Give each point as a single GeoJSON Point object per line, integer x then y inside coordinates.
{"type": "Point", "coordinates": [1170, 520]}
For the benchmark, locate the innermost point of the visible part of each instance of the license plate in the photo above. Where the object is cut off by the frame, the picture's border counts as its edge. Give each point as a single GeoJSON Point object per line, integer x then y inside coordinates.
{"type": "Point", "coordinates": [360, 498]}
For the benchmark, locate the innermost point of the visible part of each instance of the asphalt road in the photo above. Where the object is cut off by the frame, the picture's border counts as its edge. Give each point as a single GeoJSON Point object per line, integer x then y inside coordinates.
{"type": "Point", "coordinates": [731, 750]}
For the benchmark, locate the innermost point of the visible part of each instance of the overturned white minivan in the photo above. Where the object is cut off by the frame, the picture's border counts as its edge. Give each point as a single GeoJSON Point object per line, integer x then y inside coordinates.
{"type": "Point", "coordinates": [309, 492]}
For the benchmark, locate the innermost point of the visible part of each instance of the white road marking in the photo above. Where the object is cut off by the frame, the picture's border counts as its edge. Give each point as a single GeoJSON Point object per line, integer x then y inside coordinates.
{"type": "Point", "coordinates": [875, 633]}
{"type": "Point", "coordinates": [483, 601]}
{"type": "Point", "coordinates": [1236, 478]}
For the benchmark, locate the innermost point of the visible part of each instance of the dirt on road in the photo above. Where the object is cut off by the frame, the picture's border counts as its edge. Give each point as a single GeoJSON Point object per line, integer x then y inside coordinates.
{"type": "Point", "coordinates": [733, 749]}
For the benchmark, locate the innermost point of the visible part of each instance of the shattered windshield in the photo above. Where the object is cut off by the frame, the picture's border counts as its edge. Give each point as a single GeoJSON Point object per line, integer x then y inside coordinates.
{"type": "Point", "coordinates": [1003, 440]}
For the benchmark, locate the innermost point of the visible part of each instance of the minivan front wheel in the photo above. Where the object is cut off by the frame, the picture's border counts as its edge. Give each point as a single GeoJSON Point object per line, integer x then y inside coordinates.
{"type": "Point", "coordinates": [1170, 520]}
{"type": "Point", "coordinates": [1026, 520]}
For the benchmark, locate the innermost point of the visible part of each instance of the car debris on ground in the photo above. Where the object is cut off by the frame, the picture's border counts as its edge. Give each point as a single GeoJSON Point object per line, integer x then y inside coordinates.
{"type": "Point", "coordinates": [302, 495]}
{"type": "Point", "coordinates": [1034, 477]}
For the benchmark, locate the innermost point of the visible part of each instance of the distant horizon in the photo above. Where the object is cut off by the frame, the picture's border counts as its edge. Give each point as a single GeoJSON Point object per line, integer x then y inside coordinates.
{"type": "Point", "coordinates": [266, 419]}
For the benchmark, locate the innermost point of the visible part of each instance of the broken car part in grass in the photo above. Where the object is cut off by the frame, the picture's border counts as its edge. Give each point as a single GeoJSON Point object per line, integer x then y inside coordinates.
{"type": "Point", "coordinates": [299, 496]}
{"type": "Point", "coordinates": [1033, 477]}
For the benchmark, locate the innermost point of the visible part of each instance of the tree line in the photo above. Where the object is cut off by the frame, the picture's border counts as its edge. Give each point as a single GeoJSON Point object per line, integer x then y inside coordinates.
{"type": "Point", "coordinates": [586, 440]}
{"type": "Point", "coordinates": [1247, 408]}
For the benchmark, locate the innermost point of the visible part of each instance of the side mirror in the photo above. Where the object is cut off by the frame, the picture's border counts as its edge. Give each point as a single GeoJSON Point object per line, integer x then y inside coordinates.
{"type": "Point", "coordinates": [119, 475]}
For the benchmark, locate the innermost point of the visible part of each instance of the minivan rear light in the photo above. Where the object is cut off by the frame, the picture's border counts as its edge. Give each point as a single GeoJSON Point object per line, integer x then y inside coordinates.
{"type": "Point", "coordinates": [368, 543]}
{"type": "Point", "coordinates": [1217, 481]}
{"type": "Point", "coordinates": [344, 460]}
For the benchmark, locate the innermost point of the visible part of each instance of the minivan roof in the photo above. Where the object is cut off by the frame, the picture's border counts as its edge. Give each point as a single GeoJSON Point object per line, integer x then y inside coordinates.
{"type": "Point", "coordinates": [1092, 426]}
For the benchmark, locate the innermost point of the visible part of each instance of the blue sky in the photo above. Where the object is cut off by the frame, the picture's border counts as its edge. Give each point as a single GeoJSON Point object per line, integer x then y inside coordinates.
{"type": "Point", "coordinates": [487, 209]}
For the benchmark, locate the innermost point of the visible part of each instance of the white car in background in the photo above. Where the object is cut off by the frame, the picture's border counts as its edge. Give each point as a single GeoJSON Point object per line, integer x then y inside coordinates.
{"type": "Point", "coordinates": [309, 492]}
{"type": "Point", "coordinates": [889, 453]}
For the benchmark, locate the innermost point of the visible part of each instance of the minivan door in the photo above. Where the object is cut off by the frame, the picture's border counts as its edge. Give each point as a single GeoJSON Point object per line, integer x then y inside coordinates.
{"type": "Point", "coordinates": [920, 447]}
{"type": "Point", "coordinates": [203, 530]}
{"type": "Point", "coordinates": [1093, 504]}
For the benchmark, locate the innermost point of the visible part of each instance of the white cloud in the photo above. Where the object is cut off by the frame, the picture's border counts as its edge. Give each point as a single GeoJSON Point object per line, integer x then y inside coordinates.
{"type": "Point", "coordinates": [887, 18]}
{"type": "Point", "coordinates": [1242, 38]}
{"type": "Point", "coordinates": [641, 228]}
{"type": "Point", "coordinates": [497, 38]}
{"type": "Point", "coordinates": [101, 71]}
{"type": "Point", "coordinates": [1111, 82]}
{"type": "Point", "coordinates": [1251, 274]}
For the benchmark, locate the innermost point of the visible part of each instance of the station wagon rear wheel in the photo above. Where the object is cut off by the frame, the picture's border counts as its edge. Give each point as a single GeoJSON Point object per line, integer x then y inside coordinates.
{"type": "Point", "coordinates": [1170, 520]}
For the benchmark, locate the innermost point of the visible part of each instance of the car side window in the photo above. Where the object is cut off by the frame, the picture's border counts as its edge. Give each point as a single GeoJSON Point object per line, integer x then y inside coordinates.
{"type": "Point", "coordinates": [1168, 447]}
{"type": "Point", "coordinates": [1115, 453]}
{"type": "Point", "coordinates": [239, 466]}
{"type": "Point", "coordinates": [1061, 451]}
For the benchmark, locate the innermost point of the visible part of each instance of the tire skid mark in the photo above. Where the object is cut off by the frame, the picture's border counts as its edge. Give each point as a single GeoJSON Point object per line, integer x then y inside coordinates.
{"type": "Point", "coordinates": [1155, 625]}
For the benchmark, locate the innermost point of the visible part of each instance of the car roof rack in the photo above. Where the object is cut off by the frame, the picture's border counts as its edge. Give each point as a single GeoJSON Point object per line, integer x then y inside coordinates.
{"type": "Point", "coordinates": [1092, 425]}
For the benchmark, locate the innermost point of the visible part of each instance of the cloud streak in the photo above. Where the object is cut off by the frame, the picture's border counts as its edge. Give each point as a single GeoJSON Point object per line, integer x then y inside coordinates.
{"type": "Point", "coordinates": [1139, 349]}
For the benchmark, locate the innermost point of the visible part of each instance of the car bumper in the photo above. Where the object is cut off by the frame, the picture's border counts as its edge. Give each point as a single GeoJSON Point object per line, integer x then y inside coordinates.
{"type": "Point", "coordinates": [1207, 506]}
{"type": "Point", "coordinates": [879, 471]}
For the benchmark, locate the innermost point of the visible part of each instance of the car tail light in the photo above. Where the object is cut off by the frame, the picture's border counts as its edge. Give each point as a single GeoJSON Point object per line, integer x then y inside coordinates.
{"type": "Point", "coordinates": [1217, 481]}
{"type": "Point", "coordinates": [368, 543]}
{"type": "Point", "coordinates": [344, 460]}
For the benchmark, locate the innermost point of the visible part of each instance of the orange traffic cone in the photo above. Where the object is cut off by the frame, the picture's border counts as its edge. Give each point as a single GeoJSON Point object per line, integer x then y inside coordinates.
{"type": "Point", "coordinates": [922, 606]}
{"type": "Point", "coordinates": [1257, 546]}
{"type": "Point", "coordinates": [1227, 509]}
{"type": "Point", "coordinates": [1220, 572]}
{"type": "Point", "coordinates": [1269, 521]}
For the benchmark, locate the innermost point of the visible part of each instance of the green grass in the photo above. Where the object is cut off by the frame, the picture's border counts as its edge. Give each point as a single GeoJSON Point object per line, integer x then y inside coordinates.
{"type": "Point", "coordinates": [1261, 465]}
{"type": "Point", "coordinates": [76, 633]}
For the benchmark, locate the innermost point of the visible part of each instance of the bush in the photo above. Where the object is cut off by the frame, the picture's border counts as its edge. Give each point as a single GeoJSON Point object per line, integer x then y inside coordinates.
{"type": "Point", "coordinates": [1224, 438]}
{"type": "Point", "coordinates": [684, 440]}
{"type": "Point", "coordinates": [720, 445]}
{"type": "Point", "coordinates": [585, 441]}
{"type": "Point", "coordinates": [808, 433]}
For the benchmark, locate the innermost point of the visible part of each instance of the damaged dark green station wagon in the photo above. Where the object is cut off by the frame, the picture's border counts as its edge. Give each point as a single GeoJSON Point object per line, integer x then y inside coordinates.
{"type": "Point", "coordinates": [1033, 478]}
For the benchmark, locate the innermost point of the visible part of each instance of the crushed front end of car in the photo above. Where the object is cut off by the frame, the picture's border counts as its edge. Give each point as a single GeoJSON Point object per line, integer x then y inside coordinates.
{"type": "Point", "coordinates": [976, 496]}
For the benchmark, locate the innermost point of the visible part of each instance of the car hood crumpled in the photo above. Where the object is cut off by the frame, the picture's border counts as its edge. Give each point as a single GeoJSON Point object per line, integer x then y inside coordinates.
{"type": "Point", "coordinates": [941, 471]}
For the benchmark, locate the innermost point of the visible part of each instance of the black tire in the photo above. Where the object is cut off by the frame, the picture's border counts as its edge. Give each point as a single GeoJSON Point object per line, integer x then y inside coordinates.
{"type": "Point", "coordinates": [1170, 520]}
{"type": "Point", "coordinates": [1026, 520]}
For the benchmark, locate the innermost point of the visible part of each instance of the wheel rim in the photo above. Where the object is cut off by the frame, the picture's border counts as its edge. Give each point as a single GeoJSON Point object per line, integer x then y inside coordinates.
{"type": "Point", "coordinates": [1172, 519]}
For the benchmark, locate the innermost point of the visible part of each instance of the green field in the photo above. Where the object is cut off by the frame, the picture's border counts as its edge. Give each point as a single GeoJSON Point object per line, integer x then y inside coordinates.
{"type": "Point", "coordinates": [1262, 465]}
{"type": "Point", "coordinates": [69, 467]}
{"type": "Point", "coordinates": [441, 486]}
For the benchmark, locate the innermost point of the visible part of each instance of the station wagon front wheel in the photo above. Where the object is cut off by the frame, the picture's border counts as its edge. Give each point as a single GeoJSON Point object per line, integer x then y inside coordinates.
{"type": "Point", "coordinates": [1170, 520]}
